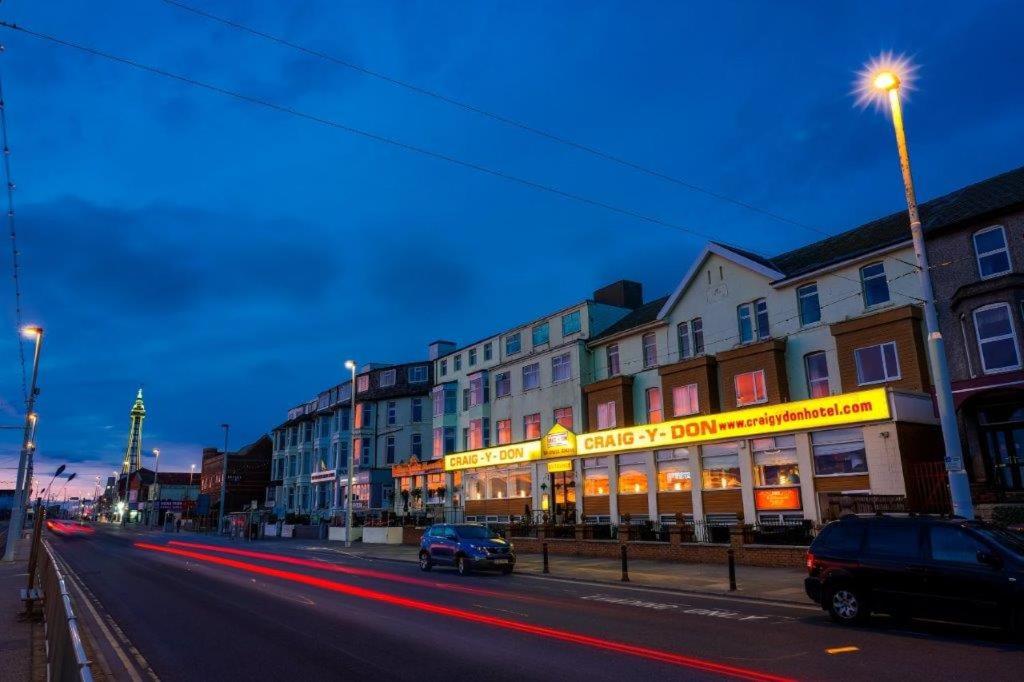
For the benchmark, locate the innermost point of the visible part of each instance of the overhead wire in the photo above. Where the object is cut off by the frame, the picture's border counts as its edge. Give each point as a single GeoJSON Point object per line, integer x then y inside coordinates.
{"type": "Point", "coordinates": [15, 261]}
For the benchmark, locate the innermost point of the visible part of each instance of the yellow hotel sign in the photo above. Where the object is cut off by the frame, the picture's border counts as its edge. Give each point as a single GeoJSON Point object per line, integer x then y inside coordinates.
{"type": "Point", "coordinates": [514, 453]}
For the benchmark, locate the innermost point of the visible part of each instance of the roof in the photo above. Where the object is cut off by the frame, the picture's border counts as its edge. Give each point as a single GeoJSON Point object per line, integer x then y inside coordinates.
{"type": "Point", "coordinates": [645, 314]}
{"type": "Point", "coordinates": [176, 478]}
{"type": "Point", "coordinates": [968, 203]}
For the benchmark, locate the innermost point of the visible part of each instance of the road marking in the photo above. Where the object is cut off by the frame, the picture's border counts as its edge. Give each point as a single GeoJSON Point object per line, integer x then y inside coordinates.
{"type": "Point", "coordinates": [683, 608]}
{"type": "Point", "coordinates": [842, 650]}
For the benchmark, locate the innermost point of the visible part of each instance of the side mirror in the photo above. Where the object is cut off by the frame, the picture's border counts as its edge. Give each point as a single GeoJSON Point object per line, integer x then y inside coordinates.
{"type": "Point", "coordinates": [990, 559]}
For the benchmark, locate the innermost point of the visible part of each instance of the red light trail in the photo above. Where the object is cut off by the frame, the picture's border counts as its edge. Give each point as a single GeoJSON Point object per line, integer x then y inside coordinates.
{"type": "Point", "coordinates": [546, 632]}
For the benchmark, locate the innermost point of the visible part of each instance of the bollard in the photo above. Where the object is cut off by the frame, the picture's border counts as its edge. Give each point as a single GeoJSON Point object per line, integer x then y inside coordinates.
{"type": "Point", "coordinates": [625, 565]}
{"type": "Point", "coordinates": [544, 548]}
{"type": "Point", "coordinates": [732, 569]}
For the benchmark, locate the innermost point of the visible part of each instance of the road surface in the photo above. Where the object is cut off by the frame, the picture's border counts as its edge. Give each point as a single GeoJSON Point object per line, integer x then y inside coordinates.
{"type": "Point", "coordinates": [180, 607]}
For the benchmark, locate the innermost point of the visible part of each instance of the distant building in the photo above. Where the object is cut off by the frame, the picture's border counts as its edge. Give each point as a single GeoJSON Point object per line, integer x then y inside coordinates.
{"type": "Point", "coordinates": [175, 493]}
{"type": "Point", "coordinates": [248, 475]}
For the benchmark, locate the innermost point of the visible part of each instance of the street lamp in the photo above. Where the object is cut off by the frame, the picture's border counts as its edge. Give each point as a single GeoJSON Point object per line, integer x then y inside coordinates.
{"type": "Point", "coordinates": [191, 473]}
{"type": "Point", "coordinates": [886, 81]}
{"type": "Point", "coordinates": [351, 366]}
{"type": "Point", "coordinates": [155, 511]}
{"type": "Point", "coordinates": [224, 478]}
{"type": "Point", "coordinates": [25, 459]}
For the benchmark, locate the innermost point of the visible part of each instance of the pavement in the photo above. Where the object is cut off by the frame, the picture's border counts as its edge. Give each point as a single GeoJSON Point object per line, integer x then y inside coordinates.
{"type": "Point", "coordinates": [184, 607]}
{"type": "Point", "coordinates": [16, 636]}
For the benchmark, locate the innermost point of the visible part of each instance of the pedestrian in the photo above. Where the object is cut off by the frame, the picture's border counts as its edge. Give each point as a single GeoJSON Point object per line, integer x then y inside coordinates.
{"type": "Point", "coordinates": [178, 525]}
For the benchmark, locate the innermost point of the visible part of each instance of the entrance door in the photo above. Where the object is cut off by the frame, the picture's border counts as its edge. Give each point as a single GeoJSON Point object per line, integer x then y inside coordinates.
{"type": "Point", "coordinates": [563, 485]}
{"type": "Point", "coordinates": [1003, 429]}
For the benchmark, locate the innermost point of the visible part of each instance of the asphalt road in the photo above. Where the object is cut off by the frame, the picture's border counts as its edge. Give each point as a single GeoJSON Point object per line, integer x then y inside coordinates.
{"type": "Point", "coordinates": [188, 612]}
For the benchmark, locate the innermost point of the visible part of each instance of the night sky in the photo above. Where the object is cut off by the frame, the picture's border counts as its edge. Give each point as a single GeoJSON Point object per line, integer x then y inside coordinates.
{"type": "Point", "coordinates": [230, 258]}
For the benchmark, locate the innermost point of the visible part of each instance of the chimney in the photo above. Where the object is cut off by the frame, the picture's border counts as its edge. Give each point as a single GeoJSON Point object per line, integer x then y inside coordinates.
{"type": "Point", "coordinates": [624, 294]}
{"type": "Point", "coordinates": [438, 348]}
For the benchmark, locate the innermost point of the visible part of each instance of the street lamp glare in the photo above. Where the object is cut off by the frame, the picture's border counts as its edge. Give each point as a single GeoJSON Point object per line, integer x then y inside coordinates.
{"type": "Point", "coordinates": [882, 77]}
{"type": "Point", "coordinates": [350, 365]}
{"type": "Point", "coordinates": [156, 452]}
{"type": "Point", "coordinates": [886, 80]}
{"type": "Point", "coordinates": [31, 331]}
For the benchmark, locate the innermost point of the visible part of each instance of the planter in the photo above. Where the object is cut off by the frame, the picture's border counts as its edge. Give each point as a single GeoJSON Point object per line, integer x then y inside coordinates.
{"type": "Point", "coordinates": [270, 530]}
{"type": "Point", "coordinates": [307, 532]}
{"type": "Point", "coordinates": [338, 533]}
{"type": "Point", "coordinates": [382, 535]}
{"type": "Point", "coordinates": [287, 530]}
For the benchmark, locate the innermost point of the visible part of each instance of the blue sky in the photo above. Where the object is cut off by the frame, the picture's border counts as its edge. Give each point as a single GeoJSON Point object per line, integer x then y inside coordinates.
{"type": "Point", "coordinates": [230, 258]}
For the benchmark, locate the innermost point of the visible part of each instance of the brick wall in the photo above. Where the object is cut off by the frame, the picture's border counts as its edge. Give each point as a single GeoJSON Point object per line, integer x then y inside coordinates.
{"type": "Point", "coordinates": [768, 355]}
{"type": "Point", "coordinates": [700, 371]}
{"type": "Point", "coordinates": [902, 325]}
{"type": "Point", "coordinates": [619, 389]}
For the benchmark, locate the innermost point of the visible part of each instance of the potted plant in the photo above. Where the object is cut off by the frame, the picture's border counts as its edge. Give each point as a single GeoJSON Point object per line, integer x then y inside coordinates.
{"type": "Point", "coordinates": [441, 492]}
{"type": "Point", "coordinates": [417, 494]}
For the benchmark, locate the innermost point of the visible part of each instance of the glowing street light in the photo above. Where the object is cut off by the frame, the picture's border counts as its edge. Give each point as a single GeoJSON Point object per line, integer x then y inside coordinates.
{"type": "Point", "coordinates": [23, 480]}
{"type": "Point", "coordinates": [350, 365]}
{"type": "Point", "coordinates": [887, 76]}
{"type": "Point", "coordinates": [155, 511]}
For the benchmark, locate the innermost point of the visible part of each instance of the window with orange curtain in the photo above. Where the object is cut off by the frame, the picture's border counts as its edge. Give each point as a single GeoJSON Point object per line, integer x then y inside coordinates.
{"type": "Point", "coordinates": [632, 479]}
{"type": "Point", "coordinates": [595, 476]}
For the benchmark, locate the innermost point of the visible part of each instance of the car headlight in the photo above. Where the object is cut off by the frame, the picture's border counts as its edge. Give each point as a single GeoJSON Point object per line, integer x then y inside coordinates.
{"type": "Point", "coordinates": [479, 549]}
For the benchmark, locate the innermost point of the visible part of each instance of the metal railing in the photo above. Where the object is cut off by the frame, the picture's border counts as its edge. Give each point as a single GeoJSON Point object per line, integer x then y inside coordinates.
{"type": "Point", "coordinates": [799, 534]}
{"type": "Point", "coordinates": [65, 655]}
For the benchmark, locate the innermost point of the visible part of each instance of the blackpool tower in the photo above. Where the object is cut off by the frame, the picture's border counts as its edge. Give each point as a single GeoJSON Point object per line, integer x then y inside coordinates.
{"type": "Point", "coordinates": [133, 453]}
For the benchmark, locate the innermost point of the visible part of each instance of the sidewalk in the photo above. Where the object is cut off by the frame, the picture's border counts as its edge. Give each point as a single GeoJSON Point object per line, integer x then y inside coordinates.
{"type": "Point", "coordinates": [16, 636]}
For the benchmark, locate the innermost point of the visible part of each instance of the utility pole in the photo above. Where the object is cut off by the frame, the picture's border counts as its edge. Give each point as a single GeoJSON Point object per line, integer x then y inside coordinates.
{"type": "Point", "coordinates": [24, 477]}
{"type": "Point", "coordinates": [224, 479]}
{"type": "Point", "coordinates": [351, 366]}
{"type": "Point", "coordinates": [155, 511]}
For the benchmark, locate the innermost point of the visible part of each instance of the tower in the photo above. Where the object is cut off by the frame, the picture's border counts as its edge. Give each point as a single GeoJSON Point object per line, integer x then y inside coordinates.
{"type": "Point", "coordinates": [133, 453]}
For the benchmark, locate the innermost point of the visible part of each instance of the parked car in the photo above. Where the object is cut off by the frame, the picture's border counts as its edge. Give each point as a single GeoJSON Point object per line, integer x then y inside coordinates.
{"type": "Point", "coordinates": [467, 546]}
{"type": "Point", "coordinates": [917, 566]}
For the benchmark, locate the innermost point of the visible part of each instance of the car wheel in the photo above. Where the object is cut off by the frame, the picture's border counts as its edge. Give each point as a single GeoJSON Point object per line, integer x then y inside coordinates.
{"type": "Point", "coordinates": [846, 605]}
{"type": "Point", "coordinates": [463, 566]}
{"type": "Point", "coordinates": [425, 563]}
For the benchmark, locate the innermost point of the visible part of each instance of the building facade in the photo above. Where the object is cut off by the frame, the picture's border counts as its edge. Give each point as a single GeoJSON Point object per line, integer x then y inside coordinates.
{"type": "Point", "coordinates": [247, 476]}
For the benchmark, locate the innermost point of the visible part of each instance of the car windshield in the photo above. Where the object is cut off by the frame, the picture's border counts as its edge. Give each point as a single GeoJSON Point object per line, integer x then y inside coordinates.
{"type": "Point", "coordinates": [476, 533]}
{"type": "Point", "coordinates": [1005, 539]}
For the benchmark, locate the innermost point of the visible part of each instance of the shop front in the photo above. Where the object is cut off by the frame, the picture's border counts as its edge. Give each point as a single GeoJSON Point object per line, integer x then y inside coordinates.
{"type": "Point", "coordinates": [773, 464]}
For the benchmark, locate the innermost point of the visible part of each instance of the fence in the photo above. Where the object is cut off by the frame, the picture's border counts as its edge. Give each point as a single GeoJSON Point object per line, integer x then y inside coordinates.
{"type": "Point", "coordinates": [779, 533]}
{"type": "Point", "coordinates": [65, 656]}
{"type": "Point", "coordinates": [836, 505]}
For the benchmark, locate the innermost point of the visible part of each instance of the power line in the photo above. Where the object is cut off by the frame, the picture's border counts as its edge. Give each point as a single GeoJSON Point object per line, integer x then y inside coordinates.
{"type": "Point", "coordinates": [14, 240]}
{"type": "Point", "coordinates": [501, 118]}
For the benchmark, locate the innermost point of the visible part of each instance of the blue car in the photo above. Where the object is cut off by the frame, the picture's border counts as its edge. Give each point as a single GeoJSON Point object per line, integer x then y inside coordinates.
{"type": "Point", "coordinates": [466, 546]}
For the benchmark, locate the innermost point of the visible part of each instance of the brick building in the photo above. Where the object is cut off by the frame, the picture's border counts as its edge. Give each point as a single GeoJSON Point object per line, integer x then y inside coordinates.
{"type": "Point", "coordinates": [248, 475]}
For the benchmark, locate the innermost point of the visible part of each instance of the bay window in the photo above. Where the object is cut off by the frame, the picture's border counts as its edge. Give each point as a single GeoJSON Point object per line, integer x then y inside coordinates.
{"type": "Point", "coordinates": [684, 400]}
{"type": "Point", "coordinates": [750, 388]}
{"type": "Point", "coordinates": [655, 414]}
{"type": "Point", "coordinates": [632, 474]}
{"type": "Point", "coordinates": [673, 470]}
{"type": "Point", "coordinates": [606, 415]}
{"type": "Point", "coordinates": [595, 476]}
{"type": "Point", "coordinates": [877, 364]}
{"type": "Point", "coordinates": [997, 338]}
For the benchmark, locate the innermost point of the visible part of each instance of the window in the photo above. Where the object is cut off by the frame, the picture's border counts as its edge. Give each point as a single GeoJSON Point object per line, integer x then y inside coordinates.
{"type": "Point", "coordinates": [389, 450]}
{"type": "Point", "coordinates": [449, 439]}
{"type": "Point", "coordinates": [531, 426]}
{"type": "Point", "coordinates": [444, 367]}
{"type": "Point", "coordinates": [488, 353]}
{"type": "Point", "coordinates": [457, 362]}
{"type": "Point", "coordinates": [476, 435]}
{"type": "Point", "coordinates": [655, 414]}
{"type": "Point", "coordinates": [387, 378]}
{"type": "Point", "coordinates": [753, 320]}
{"type": "Point", "coordinates": [673, 470]}
{"type": "Point", "coordinates": [343, 420]}
{"type": "Point", "coordinates": [444, 441]}
{"type": "Point", "coordinates": [876, 364]}
{"type": "Point", "coordinates": [807, 302]}
{"type": "Point", "coordinates": [563, 416]}
{"type": "Point", "coordinates": [512, 344]}
{"type": "Point", "coordinates": [816, 366]}
{"type": "Point", "coordinates": [697, 329]}
{"type": "Point", "coordinates": [571, 323]}
{"type": "Point", "coordinates": [750, 388]}
{"type": "Point", "coordinates": [478, 389]}
{"type": "Point", "coordinates": [417, 374]}
{"type": "Point", "coordinates": [531, 376]}
{"type": "Point", "coordinates": [540, 334]}
{"type": "Point", "coordinates": [952, 545]}
{"type": "Point", "coordinates": [839, 451]}
{"type": "Point", "coordinates": [684, 400]}
{"type": "Point", "coordinates": [472, 356]}
{"type": "Point", "coordinates": [561, 368]}
{"type": "Point", "coordinates": [502, 384]}
{"type": "Point", "coordinates": [417, 410]}
{"type": "Point", "coordinates": [991, 252]}
{"type": "Point", "coordinates": [392, 413]}
{"type": "Point", "coordinates": [873, 284]}
{"type": "Point", "coordinates": [595, 476]}
{"type": "Point", "coordinates": [416, 445]}
{"type": "Point", "coordinates": [775, 461]}
{"type": "Point", "coordinates": [438, 447]}
{"type": "Point", "coordinates": [613, 359]}
{"type": "Point", "coordinates": [450, 398]}
{"type": "Point", "coordinates": [606, 415]}
{"type": "Point", "coordinates": [721, 466]}
{"type": "Point", "coordinates": [362, 383]}
{"type": "Point", "coordinates": [997, 339]}
{"type": "Point", "coordinates": [683, 336]}
{"type": "Point", "coordinates": [343, 453]}
{"type": "Point", "coordinates": [504, 427]}
{"type": "Point", "coordinates": [632, 474]}
{"type": "Point", "coordinates": [650, 350]}
{"type": "Point", "coordinates": [893, 540]}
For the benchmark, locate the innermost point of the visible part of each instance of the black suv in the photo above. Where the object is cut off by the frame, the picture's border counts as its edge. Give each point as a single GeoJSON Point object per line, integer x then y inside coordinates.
{"type": "Point", "coordinates": [917, 566]}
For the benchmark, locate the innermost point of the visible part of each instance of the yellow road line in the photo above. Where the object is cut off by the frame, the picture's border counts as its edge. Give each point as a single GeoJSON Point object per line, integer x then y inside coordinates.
{"type": "Point", "coordinates": [842, 650]}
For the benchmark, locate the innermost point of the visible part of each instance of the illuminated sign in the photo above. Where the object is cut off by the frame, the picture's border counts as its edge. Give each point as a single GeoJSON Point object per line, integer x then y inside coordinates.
{"type": "Point", "coordinates": [322, 476]}
{"type": "Point", "coordinates": [560, 465]}
{"type": "Point", "coordinates": [559, 442]}
{"type": "Point", "coordinates": [778, 498]}
{"type": "Point", "coordinates": [514, 453]}
{"type": "Point", "coordinates": [848, 408]}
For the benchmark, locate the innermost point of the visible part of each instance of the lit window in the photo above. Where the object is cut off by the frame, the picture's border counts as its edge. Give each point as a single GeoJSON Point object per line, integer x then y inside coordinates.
{"type": "Point", "coordinates": [606, 415]}
{"type": "Point", "coordinates": [650, 345]}
{"type": "Point", "coordinates": [684, 400]}
{"type": "Point", "coordinates": [531, 376]}
{"type": "Point", "coordinates": [595, 477]}
{"type": "Point", "coordinates": [674, 470]}
{"type": "Point", "coordinates": [876, 364]}
{"type": "Point", "coordinates": [613, 359]}
{"type": "Point", "coordinates": [807, 301]}
{"type": "Point", "coordinates": [632, 479]}
{"type": "Point", "coordinates": [540, 334]}
{"type": "Point", "coordinates": [478, 389]}
{"type": "Point", "coordinates": [816, 366]}
{"type": "Point", "coordinates": [502, 384]}
{"type": "Point", "coordinates": [504, 427]}
{"type": "Point", "coordinates": [655, 414]}
{"type": "Point", "coordinates": [531, 426]}
{"type": "Point", "coordinates": [563, 416]}
{"type": "Point", "coordinates": [512, 344]}
{"type": "Point", "coordinates": [476, 434]}
{"type": "Point", "coordinates": [874, 286]}
{"type": "Point", "coordinates": [417, 374]}
{"type": "Point", "coordinates": [991, 252]}
{"type": "Point", "coordinates": [697, 329]}
{"type": "Point", "coordinates": [561, 368]}
{"type": "Point", "coordinates": [363, 383]}
{"type": "Point", "coordinates": [387, 378]}
{"type": "Point", "coordinates": [571, 323]}
{"type": "Point", "coordinates": [751, 388]}
{"type": "Point", "coordinates": [683, 338]}
{"type": "Point", "coordinates": [997, 338]}
{"type": "Point", "coordinates": [720, 466]}
{"type": "Point", "coordinates": [775, 461]}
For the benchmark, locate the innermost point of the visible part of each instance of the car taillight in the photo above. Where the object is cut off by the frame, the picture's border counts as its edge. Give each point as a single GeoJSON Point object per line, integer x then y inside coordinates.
{"type": "Point", "coordinates": [811, 564]}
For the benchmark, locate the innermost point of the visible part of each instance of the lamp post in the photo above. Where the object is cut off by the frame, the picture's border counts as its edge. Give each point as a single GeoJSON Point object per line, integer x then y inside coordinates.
{"type": "Point", "coordinates": [224, 478]}
{"type": "Point", "coordinates": [155, 511]}
{"type": "Point", "coordinates": [117, 495]}
{"type": "Point", "coordinates": [24, 477]}
{"type": "Point", "coordinates": [887, 82]}
{"type": "Point", "coordinates": [351, 366]}
{"type": "Point", "coordinates": [191, 473]}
